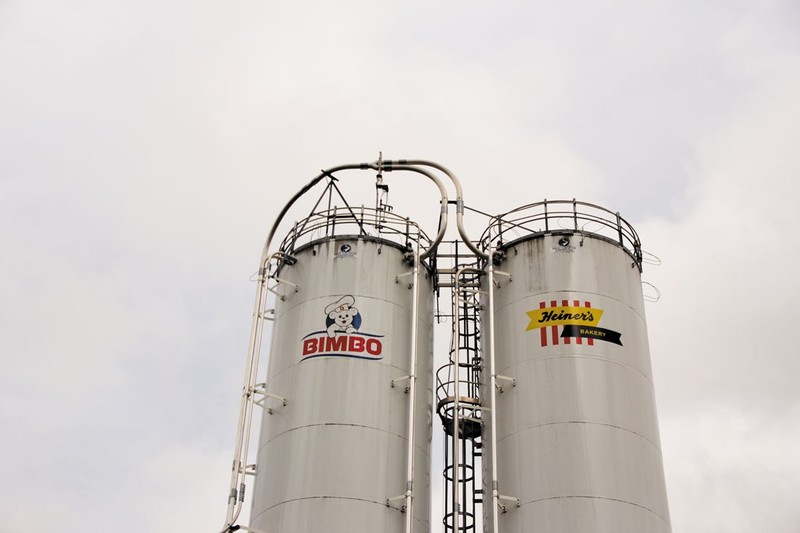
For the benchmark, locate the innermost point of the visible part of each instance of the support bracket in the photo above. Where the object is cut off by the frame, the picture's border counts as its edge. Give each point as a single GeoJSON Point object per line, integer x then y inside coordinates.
{"type": "Point", "coordinates": [501, 273]}
{"type": "Point", "coordinates": [503, 508]}
{"type": "Point", "coordinates": [508, 379]}
{"type": "Point", "coordinates": [278, 282]}
{"type": "Point", "coordinates": [260, 390]}
{"type": "Point", "coordinates": [390, 502]}
{"type": "Point", "coordinates": [399, 277]}
{"type": "Point", "coordinates": [404, 378]}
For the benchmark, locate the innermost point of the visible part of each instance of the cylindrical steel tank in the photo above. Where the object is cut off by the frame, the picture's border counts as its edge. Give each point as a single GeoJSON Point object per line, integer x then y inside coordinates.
{"type": "Point", "coordinates": [576, 434]}
{"type": "Point", "coordinates": [334, 457]}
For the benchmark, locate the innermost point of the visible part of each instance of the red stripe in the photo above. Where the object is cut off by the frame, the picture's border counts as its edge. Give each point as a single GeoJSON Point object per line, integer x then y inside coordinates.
{"type": "Point", "coordinates": [542, 331]}
{"type": "Point", "coordinates": [578, 340]}
{"type": "Point", "coordinates": [565, 303]}
{"type": "Point", "coordinates": [554, 329]}
{"type": "Point", "coordinates": [590, 341]}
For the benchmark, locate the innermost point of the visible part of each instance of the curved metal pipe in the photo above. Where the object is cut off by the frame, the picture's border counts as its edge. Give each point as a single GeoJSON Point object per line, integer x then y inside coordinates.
{"type": "Point", "coordinates": [374, 166]}
{"type": "Point", "coordinates": [301, 192]}
{"type": "Point", "coordinates": [459, 197]}
{"type": "Point", "coordinates": [443, 223]}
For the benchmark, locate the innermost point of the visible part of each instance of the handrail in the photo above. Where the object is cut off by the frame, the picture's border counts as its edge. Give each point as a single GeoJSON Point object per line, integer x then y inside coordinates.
{"type": "Point", "coordinates": [379, 166]}
{"type": "Point", "coordinates": [552, 216]}
{"type": "Point", "coordinates": [385, 225]}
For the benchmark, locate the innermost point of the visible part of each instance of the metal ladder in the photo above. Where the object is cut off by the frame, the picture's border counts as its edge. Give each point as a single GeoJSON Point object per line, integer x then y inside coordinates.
{"type": "Point", "coordinates": [459, 404]}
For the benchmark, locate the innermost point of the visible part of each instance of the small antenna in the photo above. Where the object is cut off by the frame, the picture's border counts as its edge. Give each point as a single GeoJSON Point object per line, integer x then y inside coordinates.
{"type": "Point", "coordinates": [381, 194]}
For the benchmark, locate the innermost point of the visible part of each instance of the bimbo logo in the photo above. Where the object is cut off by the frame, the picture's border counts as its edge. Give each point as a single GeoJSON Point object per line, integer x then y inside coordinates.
{"type": "Point", "coordinates": [342, 336]}
{"type": "Point", "coordinates": [566, 323]}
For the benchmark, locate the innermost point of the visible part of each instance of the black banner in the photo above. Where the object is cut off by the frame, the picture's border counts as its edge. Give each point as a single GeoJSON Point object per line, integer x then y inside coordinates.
{"type": "Point", "coordinates": [592, 332]}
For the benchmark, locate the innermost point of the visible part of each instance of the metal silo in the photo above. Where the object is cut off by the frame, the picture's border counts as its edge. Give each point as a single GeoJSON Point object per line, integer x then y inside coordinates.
{"type": "Point", "coordinates": [346, 424]}
{"type": "Point", "coordinates": [332, 457]}
{"type": "Point", "coordinates": [571, 441]}
{"type": "Point", "coordinates": [546, 399]}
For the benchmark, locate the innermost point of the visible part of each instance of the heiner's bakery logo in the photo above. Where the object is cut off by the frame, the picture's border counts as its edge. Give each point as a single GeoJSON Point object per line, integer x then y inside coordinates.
{"type": "Point", "coordinates": [567, 322]}
{"type": "Point", "coordinates": [342, 337]}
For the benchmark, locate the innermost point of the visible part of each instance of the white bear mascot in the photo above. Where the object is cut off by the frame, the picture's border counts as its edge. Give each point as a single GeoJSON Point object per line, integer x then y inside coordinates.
{"type": "Point", "coordinates": [342, 313]}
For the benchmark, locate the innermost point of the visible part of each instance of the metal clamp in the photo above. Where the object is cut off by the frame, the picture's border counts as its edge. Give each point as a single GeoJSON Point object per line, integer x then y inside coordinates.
{"type": "Point", "coordinates": [390, 502]}
{"type": "Point", "coordinates": [498, 377]}
{"type": "Point", "coordinates": [512, 499]}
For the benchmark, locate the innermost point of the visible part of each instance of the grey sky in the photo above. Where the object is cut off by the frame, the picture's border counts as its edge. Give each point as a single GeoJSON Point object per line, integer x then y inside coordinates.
{"type": "Point", "coordinates": [145, 148]}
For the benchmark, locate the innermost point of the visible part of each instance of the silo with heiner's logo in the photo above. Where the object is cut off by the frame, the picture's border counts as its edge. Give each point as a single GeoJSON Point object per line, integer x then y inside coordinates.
{"type": "Point", "coordinates": [571, 435]}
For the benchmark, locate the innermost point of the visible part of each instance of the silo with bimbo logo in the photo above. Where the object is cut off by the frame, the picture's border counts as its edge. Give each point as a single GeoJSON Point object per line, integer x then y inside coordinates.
{"type": "Point", "coordinates": [344, 445]}
{"type": "Point", "coordinates": [571, 440]}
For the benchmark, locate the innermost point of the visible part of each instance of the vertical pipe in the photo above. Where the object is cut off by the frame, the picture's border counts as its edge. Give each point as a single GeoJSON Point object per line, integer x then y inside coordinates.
{"type": "Point", "coordinates": [456, 392]}
{"type": "Point", "coordinates": [459, 196]}
{"type": "Point", "coordinates": [546, 222]}
{"type": "Point", "coordinates": [499, 230]}
{"type": "Point", "coordinates": [412, 391]}
{"type": "Point", "coordinates": [464, 488]}
{"type": "Point", "coordinates": [493, 395]}
{"type": "Point", "coordinates": [575, 213]}
{"type": "Point", "coordinates": [245, 412]}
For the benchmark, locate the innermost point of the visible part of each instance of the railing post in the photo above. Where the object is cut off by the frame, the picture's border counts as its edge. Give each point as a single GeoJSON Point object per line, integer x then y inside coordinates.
{"type": "Point", "coordinates": [499, 231]}
{"type": "Point", "coordinates": [546, 218]}
{"type": "Point", "coordinates": [575, 213]}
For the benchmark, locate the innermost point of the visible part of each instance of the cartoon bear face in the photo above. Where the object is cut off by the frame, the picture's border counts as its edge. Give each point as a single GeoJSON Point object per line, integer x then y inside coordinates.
{"type": "Point", "coordinates": [343, 316]}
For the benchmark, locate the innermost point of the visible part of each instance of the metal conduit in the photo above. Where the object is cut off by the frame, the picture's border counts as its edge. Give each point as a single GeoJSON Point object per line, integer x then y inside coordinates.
{"type": "Point", "coordinates": [493, 396]}
{"type": "Point", "coordinates": [412, 390]}
{"type": "Point", "coordinates": [236, 493]}
{"type": "Point", "coordinates": [459, 197]}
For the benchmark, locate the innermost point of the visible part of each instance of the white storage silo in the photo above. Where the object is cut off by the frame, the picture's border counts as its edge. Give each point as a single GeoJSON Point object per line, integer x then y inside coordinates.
{"type": "Point", "coordinates": [335, 457]}
{"type": "Point", "coordinates": [572, 413]}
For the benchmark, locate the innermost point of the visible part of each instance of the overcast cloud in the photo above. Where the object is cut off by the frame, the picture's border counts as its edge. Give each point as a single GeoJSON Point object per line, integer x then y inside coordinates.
{"type": "Point", "coordinates": [146, 147]}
